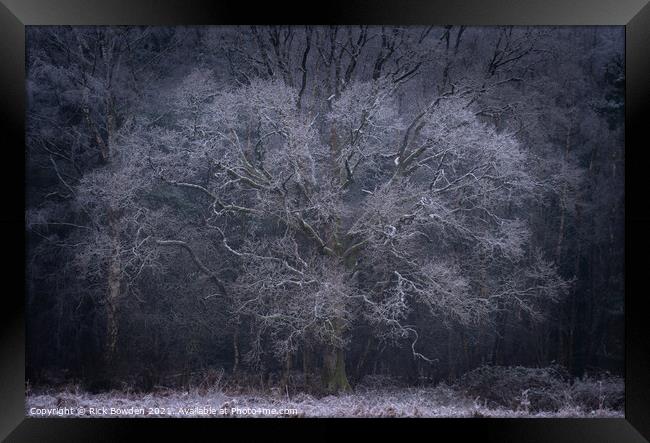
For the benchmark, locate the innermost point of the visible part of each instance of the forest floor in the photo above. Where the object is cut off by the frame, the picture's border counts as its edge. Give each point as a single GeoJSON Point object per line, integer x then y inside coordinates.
{"type": "Point", "coordinates": [439, 401]}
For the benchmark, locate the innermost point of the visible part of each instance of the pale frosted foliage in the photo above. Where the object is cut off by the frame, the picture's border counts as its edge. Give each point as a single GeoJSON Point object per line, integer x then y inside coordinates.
{"type": "Point", "coordinates": [365, 120]}
{"type": "Point", "coordinates": [436, 182]}
{"type": "Point", "coordinates": [512, 393]}
{"type": "Point", "coordinates": [295, 297]}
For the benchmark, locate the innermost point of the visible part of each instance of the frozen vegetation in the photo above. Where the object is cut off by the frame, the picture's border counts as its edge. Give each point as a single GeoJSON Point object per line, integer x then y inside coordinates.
{"type": "Point", "coordinates": [270, 216]}
{"type": "Point", "coordinates": [517, 392]}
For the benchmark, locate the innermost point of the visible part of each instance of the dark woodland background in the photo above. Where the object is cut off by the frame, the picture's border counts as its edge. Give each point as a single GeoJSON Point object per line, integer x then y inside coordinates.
{"type": "Point", "coordinates": [179, 178]}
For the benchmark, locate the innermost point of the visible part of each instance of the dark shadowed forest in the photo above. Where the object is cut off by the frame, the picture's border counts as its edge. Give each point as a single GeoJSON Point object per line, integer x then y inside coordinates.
{"type": "Point", "coordinates": [354, 220]}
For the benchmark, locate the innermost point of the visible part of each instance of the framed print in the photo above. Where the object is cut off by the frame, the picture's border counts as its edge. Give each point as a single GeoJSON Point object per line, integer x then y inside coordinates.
{"type": "Point", "coordinates": [389, 215]}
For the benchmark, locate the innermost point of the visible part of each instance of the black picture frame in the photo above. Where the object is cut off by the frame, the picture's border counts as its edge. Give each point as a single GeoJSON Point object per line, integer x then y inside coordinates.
{"type": "Point", "coordinates": [633, 14]}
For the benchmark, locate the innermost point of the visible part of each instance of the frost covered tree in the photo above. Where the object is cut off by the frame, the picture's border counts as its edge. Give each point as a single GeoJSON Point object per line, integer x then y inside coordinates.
{"type": "Point", "coordinates": [368, 199]}
{"type": "Point", "coordinates": [361, 213]}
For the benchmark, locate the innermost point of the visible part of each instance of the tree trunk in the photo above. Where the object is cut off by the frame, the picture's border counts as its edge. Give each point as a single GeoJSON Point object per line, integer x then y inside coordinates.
{"type": "Point", "coordinates": [287, 369]}
{"type": "Point", "coordinates": [336, 379]}
{"type": "Point", "coordinates": [115, 266]}
{"type": "Point", "coordinates": [451, 369]}
{"type": "Point", "coordinates": [305, 365]}
{"type": "Point", "coordinates": [499, 345]}
{"type": "Point", "coordinates": [563, 200]}
{"type": "Point", "coordinates": [113, 290]}
{"type": "Point", "coordinates": [235, 346]}
{"type": "Point", "coordinates": [364, 356]}
{"type": "Point", "coordinates": [466, 355]}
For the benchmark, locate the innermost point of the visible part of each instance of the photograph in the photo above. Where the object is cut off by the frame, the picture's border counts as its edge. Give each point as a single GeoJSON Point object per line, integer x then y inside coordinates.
{"type": "Point", "coordinates": [285, 221]}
